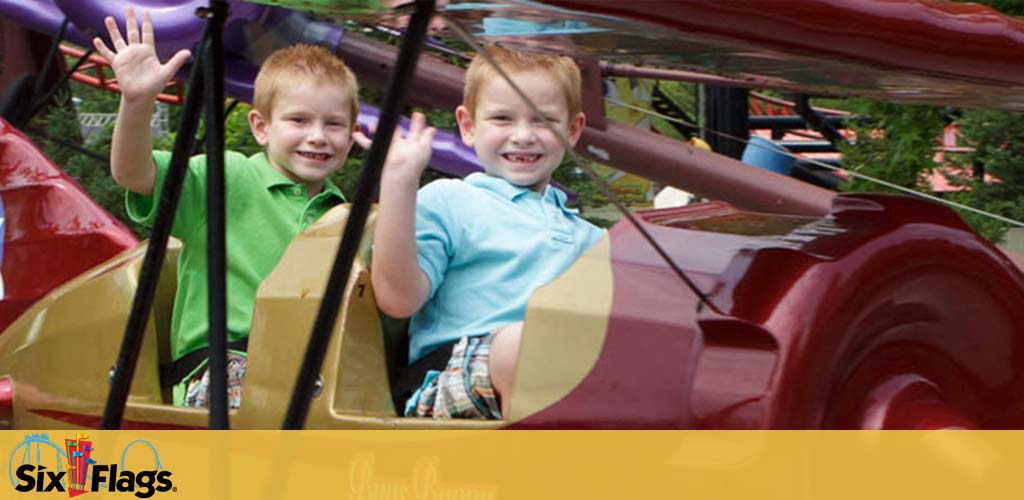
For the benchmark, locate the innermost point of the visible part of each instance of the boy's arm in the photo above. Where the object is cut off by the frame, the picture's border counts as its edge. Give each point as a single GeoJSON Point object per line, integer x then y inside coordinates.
{"type": "Point", "coordinates": [399, 285]}
{"type": "Point", "coordinates": [141, 77]}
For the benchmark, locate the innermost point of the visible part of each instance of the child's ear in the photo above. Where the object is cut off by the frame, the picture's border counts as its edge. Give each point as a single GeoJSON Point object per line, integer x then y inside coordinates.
{"type": "Point", "coordinates": [259, 127]}
{"type": "Point", "coordinates": [576, 126]}
{"type": "Point", "coordinates": [465, 121]}
{"type": "Point", "coordinates": [354, 137]}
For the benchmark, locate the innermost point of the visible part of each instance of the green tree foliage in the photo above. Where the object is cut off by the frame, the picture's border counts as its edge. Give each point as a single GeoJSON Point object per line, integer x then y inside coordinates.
{"type": "Point", "coordinates": [92, 174]}
{"type": "Point", "coordinates": [896, 146]}
{"type": "Point", "coordinates": [905, 147]}
{"type": "Point", "coordinates": [998, 139]}
{"type": "Point", "coordinates": [237, 136]}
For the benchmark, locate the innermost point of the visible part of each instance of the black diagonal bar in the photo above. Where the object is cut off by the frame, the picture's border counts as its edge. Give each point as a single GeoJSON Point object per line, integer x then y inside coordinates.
{"type": "Point", "coordinates": [65, 143]}
{"type": "Point", "coordinates": [216, 262]}
{"type": "Point", "coordinates": [40, 102]}
{"type": "Point", "coordinates": [51, 57]}
{"type": "Point", "coordinates": [131, 343]}
{"type": "Point", "coordinates": [817, 121]}
{"type": "Point", "coordinates": [369, 179]}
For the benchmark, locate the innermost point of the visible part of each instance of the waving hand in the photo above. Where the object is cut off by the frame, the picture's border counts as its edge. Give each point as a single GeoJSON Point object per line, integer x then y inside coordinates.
{"type": "Point", "coordinates": [139, 72]}
{"type": "Point", "coordinates": [408, 155]}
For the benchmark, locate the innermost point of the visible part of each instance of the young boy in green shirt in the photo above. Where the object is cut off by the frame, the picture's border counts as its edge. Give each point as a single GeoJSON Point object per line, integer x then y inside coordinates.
{"type": "Point", "coordinates": [304, 115]}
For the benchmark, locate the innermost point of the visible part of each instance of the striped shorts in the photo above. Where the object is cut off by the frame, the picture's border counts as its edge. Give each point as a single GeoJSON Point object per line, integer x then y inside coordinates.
{"type": "Point", "coordinates": [463, 389]}
{"type": "Point", "coordinates": [197, 389]}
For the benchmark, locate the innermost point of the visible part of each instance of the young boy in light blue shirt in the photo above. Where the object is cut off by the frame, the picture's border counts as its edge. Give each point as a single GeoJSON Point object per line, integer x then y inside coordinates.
{"type": "Point", "coordinates": [463, 257]}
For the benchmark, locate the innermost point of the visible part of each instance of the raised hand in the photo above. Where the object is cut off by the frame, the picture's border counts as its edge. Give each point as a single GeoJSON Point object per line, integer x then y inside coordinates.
{"type": "Point", "coordinates": [408, 156]}
{"type": "Point", "coordinates": [138, 69]}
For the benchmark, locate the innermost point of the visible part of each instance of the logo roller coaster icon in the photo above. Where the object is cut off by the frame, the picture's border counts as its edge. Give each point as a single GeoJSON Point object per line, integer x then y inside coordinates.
{"type": "Point", "coordinates": [38, 464]}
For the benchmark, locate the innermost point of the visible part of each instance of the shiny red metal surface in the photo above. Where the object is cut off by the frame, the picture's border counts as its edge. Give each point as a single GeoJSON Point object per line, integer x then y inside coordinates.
{"type": "Point", "coordinates": [6, 402]}
{"type": "Point", "coordinates": [53, 232]}
{"type": "Point", "coordinates": [888, 287]}
{"type": "Point", "coordinates": [905, 50]}
{"type": "Point", "coordinates": [644, 374]}
{"type": "Point", "coordinates": [888, 313]}
{"type": "Point", "coordinates": [910, 402]}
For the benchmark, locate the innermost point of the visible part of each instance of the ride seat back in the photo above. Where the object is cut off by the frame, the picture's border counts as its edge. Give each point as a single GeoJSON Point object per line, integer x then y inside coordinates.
{"type": "Point", "coordinates": [354, 371]}
{"type": "Point", "coordinates": [396, 344]}
{"type": "Point", "coordinates": [394, 331]}
{"type": "Point", "coordinates": [364, 365]}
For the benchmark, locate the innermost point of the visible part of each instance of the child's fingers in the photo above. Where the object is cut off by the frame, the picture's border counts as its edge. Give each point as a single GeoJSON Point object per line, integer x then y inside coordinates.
{"type": "Point", "coordinates": [361, 139]}
{"type": "Point", "coordinates": [416, 125]}
{"type": "Point", "coordinates": [426, 140]}
{"type": "Point", "coordinates": [147, 29]}
{"type": "Point", "coordinates": [131, 25]}
{"type": "Point", "coordinates": [428, 135]}
{"type": "Point", "coordinates": [175, 62]}
{"type": "Point", "coordinates": [115, 34]}
{"type": "Point", "coordinates": [102, 49]}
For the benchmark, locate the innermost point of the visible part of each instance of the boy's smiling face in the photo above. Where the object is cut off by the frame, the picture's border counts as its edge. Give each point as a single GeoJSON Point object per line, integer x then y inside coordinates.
{"type": "Point", "coordinates": [509, 138]}
{"type": "Point", "coordinates": [309, 133]}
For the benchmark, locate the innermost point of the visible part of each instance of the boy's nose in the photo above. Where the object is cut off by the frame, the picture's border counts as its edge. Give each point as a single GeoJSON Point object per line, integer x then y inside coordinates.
{"type": "Point", "coordinates": [524, 133]}
{"type": "Point", "coordinates": [315, 133]}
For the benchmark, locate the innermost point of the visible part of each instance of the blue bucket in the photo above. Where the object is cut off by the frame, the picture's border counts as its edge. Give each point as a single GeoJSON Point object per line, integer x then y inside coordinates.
{"type": "Point", "coordinates": [762, 153]}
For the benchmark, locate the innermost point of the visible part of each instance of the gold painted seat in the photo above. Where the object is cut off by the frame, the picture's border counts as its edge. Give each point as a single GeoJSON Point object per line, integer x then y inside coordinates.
{"type": "Point", "coordinates": [356, 391]}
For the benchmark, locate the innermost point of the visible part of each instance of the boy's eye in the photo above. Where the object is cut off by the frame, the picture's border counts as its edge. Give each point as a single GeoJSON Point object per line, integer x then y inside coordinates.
{"type": "Point", "coordinates": [500, 118]}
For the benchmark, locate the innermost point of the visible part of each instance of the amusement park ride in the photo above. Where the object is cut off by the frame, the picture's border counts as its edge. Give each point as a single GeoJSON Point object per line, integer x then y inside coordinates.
{"type": "Point", "coordinates": [782, 305]}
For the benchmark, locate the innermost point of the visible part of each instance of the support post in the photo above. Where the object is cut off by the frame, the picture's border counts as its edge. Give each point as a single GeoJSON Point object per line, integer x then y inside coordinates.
{"type": "Point", "coordinates": [726, 110]}
{"type": "Point", "coordinates": [369, 181]}
{"type": "Point", "coordinates": [131, 342]}
{"type": "Point", "coordinates": [216, 248]}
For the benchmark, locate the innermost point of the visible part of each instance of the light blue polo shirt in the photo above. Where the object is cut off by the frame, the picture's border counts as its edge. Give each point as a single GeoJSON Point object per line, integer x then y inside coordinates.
{"type": "Point", "coordinates": [485, 245]}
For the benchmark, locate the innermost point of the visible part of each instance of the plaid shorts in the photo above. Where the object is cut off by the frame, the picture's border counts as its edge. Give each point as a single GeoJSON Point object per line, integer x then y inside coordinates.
{"type": "Point", "coordinates": [463, 389]}
{"type": "Point", "coordinates": [197, 388]}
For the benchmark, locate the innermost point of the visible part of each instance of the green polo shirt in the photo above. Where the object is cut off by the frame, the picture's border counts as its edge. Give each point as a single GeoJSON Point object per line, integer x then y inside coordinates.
{"type": "Point", "coordinates": [265, 210]}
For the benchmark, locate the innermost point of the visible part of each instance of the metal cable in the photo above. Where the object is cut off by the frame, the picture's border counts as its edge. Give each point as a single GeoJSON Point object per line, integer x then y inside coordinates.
{"type": "Point", "coordinates": [812, 161]}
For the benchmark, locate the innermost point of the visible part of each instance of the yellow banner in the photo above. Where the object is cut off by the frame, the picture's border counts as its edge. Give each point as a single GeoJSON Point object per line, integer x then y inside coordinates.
{"type": "Point", "coordinates": [436, 465]}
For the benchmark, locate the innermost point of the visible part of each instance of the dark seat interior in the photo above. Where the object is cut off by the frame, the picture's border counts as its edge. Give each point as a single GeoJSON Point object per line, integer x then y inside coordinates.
{"type": "Point", "coordinates": [396, 350]}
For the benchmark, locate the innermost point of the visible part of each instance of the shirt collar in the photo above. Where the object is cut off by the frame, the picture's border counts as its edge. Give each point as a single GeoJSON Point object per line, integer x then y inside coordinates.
{"type": "Point", "coordinates": [271, 178]}
{"type": "Point", "coordinates": [512, 192]}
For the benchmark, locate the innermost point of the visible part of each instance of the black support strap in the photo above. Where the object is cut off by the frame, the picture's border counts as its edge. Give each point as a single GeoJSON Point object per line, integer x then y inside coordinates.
{"type": "Point", "coordinates": [172, 373]}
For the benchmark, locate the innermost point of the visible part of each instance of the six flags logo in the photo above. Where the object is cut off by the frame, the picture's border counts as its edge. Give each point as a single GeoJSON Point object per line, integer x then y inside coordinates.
{"type": "Point", "coordinates": [83, 474]}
